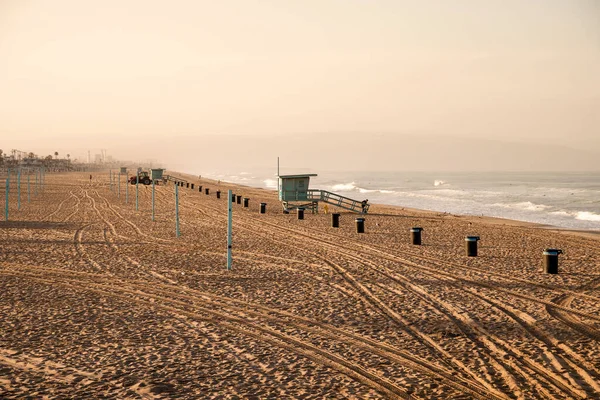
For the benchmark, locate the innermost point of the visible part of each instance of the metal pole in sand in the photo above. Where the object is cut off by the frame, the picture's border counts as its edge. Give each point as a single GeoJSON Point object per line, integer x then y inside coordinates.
{"type": "Point", "coordinates": [28, 189]}
{"type": "Point", "coordinates": [152, 199]}
{"type": "Point", "coordinates": [229, 220]}
{"type": "Point", "coordinates": [6, 190]}
{"type": "Point", "coordinates": [137, 191]}
{"type": "Point", "coordinates": [35, 187]}
{"type": "Point", "coordinates": [119, 191]}
{"type": "Point", "coordinates": [19, 189]}
{"type": "Point", "coordinates": [110, 179]}
{"type": "Point", "coordinates": [176, 210]}
{"type": "Point", "coordinates": [126, 191]}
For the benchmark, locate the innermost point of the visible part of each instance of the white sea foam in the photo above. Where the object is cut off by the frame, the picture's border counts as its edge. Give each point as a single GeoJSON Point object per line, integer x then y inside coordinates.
{"type": "Point", "coordinates": [344, 187]}
{"type": "Point", "coordinates": [562, 213]}
{"type": "Point", "coordinates": [270, 183]}
{"type": "Point", "coordinates": [438, 183]}
{"type": "Point", "coordinates": [587, 216]}
{"type": "Point", "coordinates": [524, 205]}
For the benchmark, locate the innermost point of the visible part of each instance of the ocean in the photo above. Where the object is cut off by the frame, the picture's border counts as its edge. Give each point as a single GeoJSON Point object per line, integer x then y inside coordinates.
{"type": "Point", "coordinates": [566, 200]}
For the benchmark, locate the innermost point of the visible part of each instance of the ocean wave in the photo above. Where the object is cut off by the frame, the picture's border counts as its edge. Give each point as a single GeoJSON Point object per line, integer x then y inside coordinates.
{"type": "Point", "coordinates": [524, 205]}
{"type": "Point", "coordinates": [439, 183]}
{"type": "Point", "coordinates": [344, 187]}
{"type": "Point", "coordinates": [362, 190]}
{"type": "Point", "coordinates": [562, 213]}
{"type": "Point", "coordinates": [587, 216]}
{"type": "Point", "coordinates": [270, 183]}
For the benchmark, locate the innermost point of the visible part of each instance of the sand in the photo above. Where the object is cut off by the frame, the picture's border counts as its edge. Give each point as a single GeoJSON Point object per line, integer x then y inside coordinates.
{"type": "Point", "coordinates": [99, 301]}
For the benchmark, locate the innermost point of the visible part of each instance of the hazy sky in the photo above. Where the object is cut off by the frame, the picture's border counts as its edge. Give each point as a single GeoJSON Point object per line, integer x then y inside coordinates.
{"type": "Point", "coordinates": [76, 74]}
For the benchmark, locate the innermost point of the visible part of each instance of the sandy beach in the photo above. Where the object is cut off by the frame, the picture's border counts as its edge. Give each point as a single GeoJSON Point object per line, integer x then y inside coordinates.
{"type": "Point", "coordinates": [99, 301]}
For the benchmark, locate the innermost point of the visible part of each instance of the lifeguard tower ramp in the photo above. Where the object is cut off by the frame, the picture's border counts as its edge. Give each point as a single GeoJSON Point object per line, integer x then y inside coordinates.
{"type": "Point", "coordinates": [294, 193]}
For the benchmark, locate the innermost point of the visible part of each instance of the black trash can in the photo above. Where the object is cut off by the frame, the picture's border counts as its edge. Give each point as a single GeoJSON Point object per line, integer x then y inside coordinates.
{"type": "Point", "coordinates": [551, 260]}
{"type": "Point", "coordinates": [300, 213]}
{"type": "Point", "coordinates": [200, 188]}
{"type": "Point", "coordinates": [192, 186]}
{"type": "Point", "coordinates": [233, 197]}
{"type": "Point", "coordinates": [415, 235]}
{"type": "Point", "coordinates": [246, 200]}
{"type": "Point", "coordinates": [471, 245]}
{"type": "Point", "coordinates": [335, 220]}
{"type": "Point", "coordinates": [360, 225]}
{"type": "Point", "coordinates": [218, 194]}
{"type": "Point", "coordinates": [238, 199]}
{"type": "Point", "coordinates": [263, 208]}
{"type": "Point", "coordinates": [206, 191]}
{"type": "Point", "coordinates": [187, 185]}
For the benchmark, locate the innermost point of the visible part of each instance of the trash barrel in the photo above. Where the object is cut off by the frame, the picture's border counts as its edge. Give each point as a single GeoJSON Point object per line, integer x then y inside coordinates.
{"type": "Point", "coordinates": [263, 208]}
{"type": "Point", "coordinates": [300, 213]}
{"type": "Point", "coordinates": [246, 200]}
{"type": "Point", "coordinates": [360, 225]}
{"type": "Point", "coordinates": [471, 245]}
{"type": "Point", "coordinates": [200, 188]}
{"type": "Point", "coordinates": [187, 185]}
{"type": "Point", "coordinates": [335, 220]}
{"type": "Point", "coordinates": [218, 194]}
{"type": "Point", "coordinates": [238, 199]}
{"type": "Point", "coordinates": [551, 260]}
{"type": "Point", "coordinates": [192, 186]}
{"type": "Point", "coordinates": [206, 191]}
{"type": "Point", "coordinates": [233, 197]}
{"type": "Point", "coordinates": [415, 235]}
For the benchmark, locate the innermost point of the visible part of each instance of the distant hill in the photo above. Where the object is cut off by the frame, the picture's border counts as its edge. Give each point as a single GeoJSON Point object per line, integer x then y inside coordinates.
{"type": "Point", "coordinates": [377, 152]}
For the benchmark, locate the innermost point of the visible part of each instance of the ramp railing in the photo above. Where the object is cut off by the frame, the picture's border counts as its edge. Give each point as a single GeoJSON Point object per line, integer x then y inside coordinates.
{"type": "Point", "coordinates": [312, 195]}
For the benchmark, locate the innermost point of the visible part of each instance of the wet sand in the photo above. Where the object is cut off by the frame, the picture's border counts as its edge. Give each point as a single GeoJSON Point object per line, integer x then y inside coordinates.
{"type": "Point", "coordinates": [99, 301]}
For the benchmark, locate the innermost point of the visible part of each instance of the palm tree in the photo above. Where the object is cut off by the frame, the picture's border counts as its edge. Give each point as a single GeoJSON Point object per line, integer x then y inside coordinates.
{"type": "Point", "coordinates": [56, 154]}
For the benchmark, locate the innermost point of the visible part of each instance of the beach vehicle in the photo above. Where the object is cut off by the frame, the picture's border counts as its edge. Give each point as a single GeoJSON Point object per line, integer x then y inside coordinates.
{"type": "Point", "coordinates": [143, 176]}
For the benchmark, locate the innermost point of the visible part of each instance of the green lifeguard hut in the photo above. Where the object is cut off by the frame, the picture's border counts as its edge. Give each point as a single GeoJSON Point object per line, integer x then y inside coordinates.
{"type": "Point", "coordinates": [156, 173]}
{"type": "Point", "coordinates": [294, 193]}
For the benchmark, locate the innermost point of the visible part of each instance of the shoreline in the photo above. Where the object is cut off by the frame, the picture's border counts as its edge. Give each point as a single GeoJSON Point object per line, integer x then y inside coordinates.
{"type": "Point", "coordinates": [594, 234]}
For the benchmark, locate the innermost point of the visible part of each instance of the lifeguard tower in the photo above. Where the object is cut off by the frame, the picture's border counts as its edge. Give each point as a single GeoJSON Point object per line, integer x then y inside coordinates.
{"type": "Point", "coordinates": [294, 193]}
{"type": "Point", "coordinates": [156, 174]}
